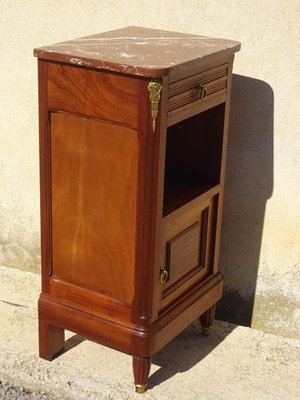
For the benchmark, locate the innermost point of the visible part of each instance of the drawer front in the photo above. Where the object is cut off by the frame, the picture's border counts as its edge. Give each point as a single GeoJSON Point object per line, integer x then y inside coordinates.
{"type": "Point", "coordinates": [197, 89]}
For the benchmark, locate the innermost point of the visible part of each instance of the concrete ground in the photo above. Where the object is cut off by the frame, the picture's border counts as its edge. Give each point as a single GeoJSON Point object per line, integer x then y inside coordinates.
{"type": "Point", "coordinates": [9, 392]}
{"type": "Point", "coordinates": [233, 363]}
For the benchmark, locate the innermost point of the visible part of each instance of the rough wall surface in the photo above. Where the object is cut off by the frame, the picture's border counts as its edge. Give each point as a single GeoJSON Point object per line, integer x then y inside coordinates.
{"type": "Point", "coordinates": [261, 226]}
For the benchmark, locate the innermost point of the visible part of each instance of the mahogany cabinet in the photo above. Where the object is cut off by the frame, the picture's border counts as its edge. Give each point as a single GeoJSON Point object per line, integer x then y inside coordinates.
{"type": "Point", "coordinates": [133, 135]}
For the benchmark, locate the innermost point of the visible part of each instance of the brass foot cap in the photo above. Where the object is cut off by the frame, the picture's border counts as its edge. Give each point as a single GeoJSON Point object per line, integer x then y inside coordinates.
{"type": "Point", "coordinates": [206, 330]}
{"type": "Point", "coordinates": [140, 388]}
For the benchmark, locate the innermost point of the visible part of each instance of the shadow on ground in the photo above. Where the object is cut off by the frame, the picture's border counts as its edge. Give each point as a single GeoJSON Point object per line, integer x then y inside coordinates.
{"type": "Point", "coordinates": [73, 342]}
{"type": "Point", "coordinates": [187, 350]}
{"type": "Point", "coordinates": [181, 354]}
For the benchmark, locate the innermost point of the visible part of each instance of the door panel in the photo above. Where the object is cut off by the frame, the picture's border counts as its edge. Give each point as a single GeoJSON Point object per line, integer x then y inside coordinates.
{"type": "Point", "coordinates": [94, 180]}
{"type": "Point", "coordinates": [188, 245]}
{"type": "Point", "coordinates": [183, 252]}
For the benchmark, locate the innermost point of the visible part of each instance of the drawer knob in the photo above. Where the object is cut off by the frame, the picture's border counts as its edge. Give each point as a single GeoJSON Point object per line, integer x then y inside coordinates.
{"type": "Point", "coordinates": [202, 91]}
{"type": "Point", "coordinates": [164, 274]}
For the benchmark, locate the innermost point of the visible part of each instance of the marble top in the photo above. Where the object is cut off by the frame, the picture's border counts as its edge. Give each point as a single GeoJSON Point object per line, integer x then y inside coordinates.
{"type": "Point", "coordinates": [139, 51]}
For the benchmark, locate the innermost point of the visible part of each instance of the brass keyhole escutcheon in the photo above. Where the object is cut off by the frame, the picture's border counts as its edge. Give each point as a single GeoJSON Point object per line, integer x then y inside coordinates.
{"type": "Point", "coordinates": [164, 274]}
{"type": "Point", "coordinates": [202, 91]}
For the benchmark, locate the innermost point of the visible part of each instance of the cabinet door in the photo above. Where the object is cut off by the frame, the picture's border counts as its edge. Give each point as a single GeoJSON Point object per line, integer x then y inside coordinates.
{"type": "Point", "coordinates": [188, 245]}
{"type": "Point", "coordinates": [93, 191]}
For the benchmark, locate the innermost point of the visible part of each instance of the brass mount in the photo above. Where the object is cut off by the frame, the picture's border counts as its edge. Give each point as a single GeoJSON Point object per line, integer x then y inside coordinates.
{"type": "Point", "coordinates": [154, 89]}
{"type": "Point", "coordinates": [140, 388]}
{"type": "Point", "coordinates": [202, 91]}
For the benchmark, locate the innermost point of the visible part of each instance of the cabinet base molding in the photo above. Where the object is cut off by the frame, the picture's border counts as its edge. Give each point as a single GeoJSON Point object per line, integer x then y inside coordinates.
{"type": "Point", "coordinates": [55, 316]}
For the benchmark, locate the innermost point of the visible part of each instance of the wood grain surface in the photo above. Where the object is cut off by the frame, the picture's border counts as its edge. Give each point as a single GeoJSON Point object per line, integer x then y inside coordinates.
{"type": "Point", "coordinates": [94, 94]}
{"type": "Point", "coordinates": [94, 183]}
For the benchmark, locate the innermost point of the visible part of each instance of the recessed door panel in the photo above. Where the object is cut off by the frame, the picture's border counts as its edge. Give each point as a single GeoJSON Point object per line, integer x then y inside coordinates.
{"type": "Point", "coordinates": [188, 248]}
{"type": "Point", "coordinates": [94, 180]}
{"type": "Point", "coordinates": [183, 252]}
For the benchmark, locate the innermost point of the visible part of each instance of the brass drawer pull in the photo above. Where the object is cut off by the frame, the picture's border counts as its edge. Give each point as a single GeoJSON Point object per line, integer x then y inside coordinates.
{"type": "Point", "coordinates": [164, 274]}
{"type": "Point", "coordinates": [202, 91]}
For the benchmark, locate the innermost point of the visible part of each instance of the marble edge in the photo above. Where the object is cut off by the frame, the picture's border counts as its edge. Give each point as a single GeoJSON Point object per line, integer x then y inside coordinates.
{"type": "Point", "coordinates": [40, 53]}
{"type": "Point", "coordinates": [45, 53]}
{"type": "Point", "coordinates": [198, 62]}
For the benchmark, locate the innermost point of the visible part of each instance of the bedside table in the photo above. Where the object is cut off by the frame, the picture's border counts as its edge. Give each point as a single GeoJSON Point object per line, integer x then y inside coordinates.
{"type": "Point", "coordinates": [133, 137]}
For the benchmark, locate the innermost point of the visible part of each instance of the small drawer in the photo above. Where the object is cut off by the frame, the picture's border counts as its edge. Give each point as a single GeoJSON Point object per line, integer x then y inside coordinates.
{"type": "Point", "coordinates": [196, 89]}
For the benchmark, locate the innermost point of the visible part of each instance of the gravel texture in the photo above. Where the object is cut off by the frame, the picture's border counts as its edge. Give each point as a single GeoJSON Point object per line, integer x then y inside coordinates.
{"type": "Point", "coordinates": [233, 363]}
{"type": "Point", "coordinates": [11, 393]}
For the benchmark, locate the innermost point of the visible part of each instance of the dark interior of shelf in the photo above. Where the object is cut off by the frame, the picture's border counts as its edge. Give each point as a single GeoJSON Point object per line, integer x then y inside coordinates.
{"type": "Point", "coordinates": [193, 157]}
{"type": "Point", "coordinates": [180, 193]}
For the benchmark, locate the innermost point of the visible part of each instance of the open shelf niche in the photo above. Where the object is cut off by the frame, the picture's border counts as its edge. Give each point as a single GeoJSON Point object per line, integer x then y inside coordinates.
{"type": "Point", "coordinates": [193, 157]}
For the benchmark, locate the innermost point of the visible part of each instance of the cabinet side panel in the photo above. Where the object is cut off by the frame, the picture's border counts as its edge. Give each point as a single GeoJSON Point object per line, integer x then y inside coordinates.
{"type": "Point", "coordinates": [44, 175]}
{"type": "Point", "coordinates": [93, 174]}
{"type": "Point", "coordinates": [96, 94]}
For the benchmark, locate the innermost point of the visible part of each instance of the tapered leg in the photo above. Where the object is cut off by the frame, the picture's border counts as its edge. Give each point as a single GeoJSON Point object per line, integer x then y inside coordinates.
{"type": "Point", "coordinates": [51, 340]}
{"type": "Point", "coordinates": [207, 320]}
{"type": "Point", "coordinates": [141, 370]}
